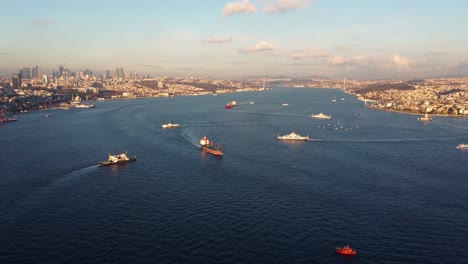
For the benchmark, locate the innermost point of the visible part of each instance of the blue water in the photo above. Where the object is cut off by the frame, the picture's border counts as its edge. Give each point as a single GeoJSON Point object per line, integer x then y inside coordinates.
{"type": "Point", "coordinates": [392, 187]}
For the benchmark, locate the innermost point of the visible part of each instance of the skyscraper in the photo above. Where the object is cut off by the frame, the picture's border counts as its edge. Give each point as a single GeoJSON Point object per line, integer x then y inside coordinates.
{"type": "Point", "coordinates": [107, 74]}
{"type": "Point", "coordinates": [119, 73]}
{"type": "Point", "coordinates": [60, 73]}
{"type": "Point", "coordinates": [25, 72]}
{"type": "Point", "coordinates": [35, 72]}
{"type": "Point", "coordinates": [16, 79]}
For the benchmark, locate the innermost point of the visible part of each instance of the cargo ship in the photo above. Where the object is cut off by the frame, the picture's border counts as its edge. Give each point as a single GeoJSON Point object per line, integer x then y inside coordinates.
{"type": "Point", "coordinates": [231, 104]}
{"type": "Point", "coordinates": [209, 146]}
{"type": "Point", "coordinates": [117, 159]}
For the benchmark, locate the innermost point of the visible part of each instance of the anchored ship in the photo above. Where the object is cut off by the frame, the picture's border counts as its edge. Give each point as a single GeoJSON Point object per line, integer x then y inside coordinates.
{"type": "Point", "coordinates": [293, 136]}
{"type": "Point", "coordinates": [117, 159]}
{"type": "Point", "coordinates": [231, 105]}
{"type": "Point", "coordinates": [321, 116]}
{"type": "Point", "coordinates": [4, 119]}
{"type": "Point", "coordinates": [210, 147]}
{"type": "Point", "coordinates": [170, 125]}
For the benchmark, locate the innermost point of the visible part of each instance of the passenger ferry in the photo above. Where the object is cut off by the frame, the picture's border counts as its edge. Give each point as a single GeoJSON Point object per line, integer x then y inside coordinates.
{"type": "Point", "coordinates": [293, 136]}
{"type": "Point", "coordinates": [117, 159]}
{"type": "Point", "coordinates": [321, 116]}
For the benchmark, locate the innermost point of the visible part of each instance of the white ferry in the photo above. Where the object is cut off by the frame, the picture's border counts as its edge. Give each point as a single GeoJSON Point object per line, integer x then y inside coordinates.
{"type": "Point", "coordinates": [117, 159]}
{"type": "Point", "coordinates": [170, 125]}
{"type": "Point", "coordinates": [293, 136]}
{"type": "Point", "coordinates": [321, 116]}
{"type": "Point", "coordinates": [462, 146]}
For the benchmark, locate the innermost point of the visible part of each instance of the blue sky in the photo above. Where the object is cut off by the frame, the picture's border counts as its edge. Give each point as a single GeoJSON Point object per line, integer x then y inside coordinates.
{"type": "Point", "coordinates": [238, 38]}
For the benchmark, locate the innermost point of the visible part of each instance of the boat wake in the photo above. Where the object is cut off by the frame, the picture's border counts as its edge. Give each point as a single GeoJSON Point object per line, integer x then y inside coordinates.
{"type": "Point", "coordinates": [273, 114]}
{"type": "Point", "coordinates": [51, 185]}
{"type": "Point", "coordinates": [396, 140]}
{"type": "Point", "coordinates": [190, 137]}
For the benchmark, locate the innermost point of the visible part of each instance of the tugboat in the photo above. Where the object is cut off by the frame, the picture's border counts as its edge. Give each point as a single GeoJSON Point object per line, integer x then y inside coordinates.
{"type": "Point", "coordinates": [117, 159]}
{"type": "Point", "coordinates": [231, 104]}
{"type": "Point", "coordinates": [170, 125]}
{"type": "Point", "coordinates": [346, 250]}
{"type": "Point", "coordinates": [210, 147]}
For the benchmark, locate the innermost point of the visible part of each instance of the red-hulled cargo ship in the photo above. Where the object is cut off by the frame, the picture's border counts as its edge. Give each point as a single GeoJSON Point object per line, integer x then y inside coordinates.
{"type": "Point", "coordinates": [231, 105]}
{"type": "Point", "coordinates": [210, 147]}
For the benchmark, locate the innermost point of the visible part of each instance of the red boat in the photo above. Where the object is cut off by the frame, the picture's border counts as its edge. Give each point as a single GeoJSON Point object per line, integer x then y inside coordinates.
{"type": "Point", "coordinates": [231, 105]}
{"type": "Point", "coordinates": [210, 147]}
{"type": "Point", "coordinates": [346, 250]}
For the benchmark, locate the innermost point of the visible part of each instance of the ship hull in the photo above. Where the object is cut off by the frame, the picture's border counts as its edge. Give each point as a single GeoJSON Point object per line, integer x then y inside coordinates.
{"type": "Point", "coordinates": [215, 152]}
{"type": "Point", "coordinates": [105, 163]}
{"type": "Point", "coordinates": [229, 106]}
{"type": "Point", "coordinates": [294, 139]}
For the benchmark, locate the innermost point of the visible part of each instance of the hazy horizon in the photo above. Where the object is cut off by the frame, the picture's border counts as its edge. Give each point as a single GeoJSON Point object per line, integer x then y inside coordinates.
{"type": "Point", "coordinates": [234, 39]}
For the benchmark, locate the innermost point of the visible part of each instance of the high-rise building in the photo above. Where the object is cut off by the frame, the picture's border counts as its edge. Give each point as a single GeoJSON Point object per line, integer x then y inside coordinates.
{"type": "Point", "coordinates": [107, 74]}
{"type": "Point", "coordinates": [60, 72]}
{"type": "Point", "coordinates": [35, 72]}
{"type": "Point", "coordinates": [16, 79]}
{"type": "Point", "coordinates": [119, 73]}
{"type": "Point", "coordinates": [25, 72]}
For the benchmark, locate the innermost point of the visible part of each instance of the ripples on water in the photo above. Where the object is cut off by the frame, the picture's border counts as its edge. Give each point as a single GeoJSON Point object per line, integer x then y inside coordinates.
{"type": "Point", "coordinates": [393, 188]}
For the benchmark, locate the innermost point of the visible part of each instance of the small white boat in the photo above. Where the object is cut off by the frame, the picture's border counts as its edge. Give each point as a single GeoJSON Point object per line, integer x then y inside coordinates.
{"type": "Point", "coordinates": [462, 146]}
{"type": "Point", "coordinates": [170, 125]}
{"type": "Point", "coordinates": [285, 104]}
{"type": "Point", "coordinates": [321, 116]}
{"type": "Point", "coordinates": [425, 118]}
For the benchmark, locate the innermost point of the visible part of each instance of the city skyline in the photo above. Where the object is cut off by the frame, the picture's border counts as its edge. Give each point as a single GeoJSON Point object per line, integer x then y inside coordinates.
{"type": "Point", "coordinates": [233, 39]}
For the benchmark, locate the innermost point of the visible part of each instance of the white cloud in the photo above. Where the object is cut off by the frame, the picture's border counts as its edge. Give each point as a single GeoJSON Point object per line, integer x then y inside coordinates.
{"type": "Point", "coordinates": [214, 40]}
{"type": "Point", "coordinates": [282, 6]}
{"type": "Point", "coordinates": [41, 22]}
{"type": "Point", "coordinates": [312, 53]}
{"type": "Point", "coordinates": [243, 6]}
{"type": "Point", "coordinates": [263, 46]}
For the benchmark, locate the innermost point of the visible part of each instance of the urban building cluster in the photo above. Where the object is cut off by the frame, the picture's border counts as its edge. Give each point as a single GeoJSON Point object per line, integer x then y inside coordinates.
{"type": "Point", "coordinates": [24, 91]}
{"type": "Point", "coordinates": [441, 96]}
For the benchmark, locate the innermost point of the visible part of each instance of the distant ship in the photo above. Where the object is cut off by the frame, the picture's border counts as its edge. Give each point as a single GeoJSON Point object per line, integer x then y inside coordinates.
{"type": "Point", "coordinates": [76, 102]}
{"type": "Point", "coordinates": [321, 116]}
{"type": "Point", "coordinates": [425, 118]}
{"type": "Point", "coordinates": [293, 136]}
{"type": "Point", "coordinates": [170, 125]}
{"type": "Point", "coordinates": [210, 147]}
{"type": "Point", "coordinates": [117, 159]}
{"type": "Point", "coordinates": [285, 104]}
{"type": "Point", "coordinates": [462, 146]}
{"type": "Point", "coordinates": [4, 119]}
{"type": "Point", "coordinates": [346, 250]}
{"type": "Point", "coordinates": [231, 104]}
{"type": "Point", "coordinates": [84, 106]}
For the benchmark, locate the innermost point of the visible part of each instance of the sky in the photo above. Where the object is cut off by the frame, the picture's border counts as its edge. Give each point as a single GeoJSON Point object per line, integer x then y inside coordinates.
{"type": "Point", "coordinates": [356, 39]}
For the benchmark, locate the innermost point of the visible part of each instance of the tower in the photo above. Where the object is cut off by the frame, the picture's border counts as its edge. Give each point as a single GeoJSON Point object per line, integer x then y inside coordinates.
{"type": "Point", "coordinates": [16, 79]}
